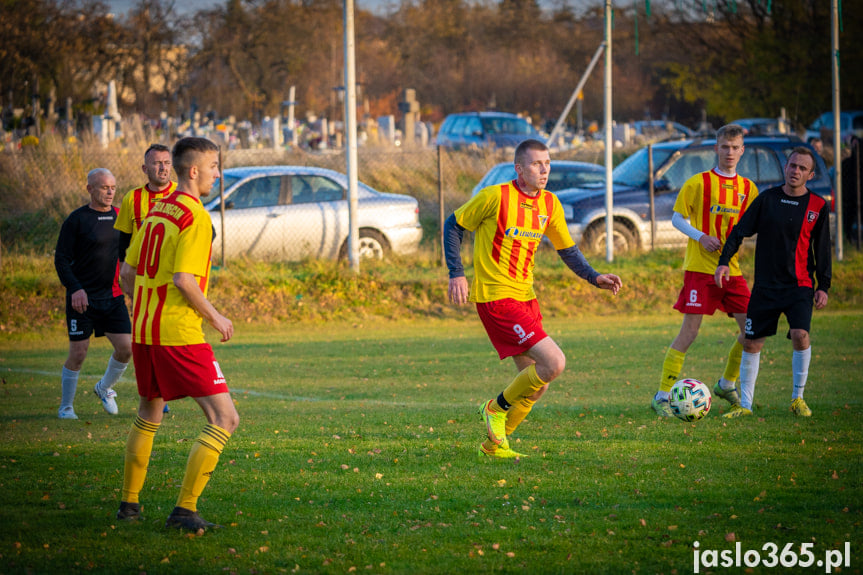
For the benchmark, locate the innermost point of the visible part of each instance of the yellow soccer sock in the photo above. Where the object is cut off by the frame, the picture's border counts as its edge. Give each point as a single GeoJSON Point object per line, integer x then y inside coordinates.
{"type": "Point", "coordinates": [732, 366]}
{"type": "Point", "coordinates": [671, 368]}
{"type": "Point", "coordinates": [139, 445]}
{"type": "Point", "coordinates": [517, 413]}
{"type": "Point", "coordinates": [202, 462]}
{"type": "Point", "coordinates": [525, 384]}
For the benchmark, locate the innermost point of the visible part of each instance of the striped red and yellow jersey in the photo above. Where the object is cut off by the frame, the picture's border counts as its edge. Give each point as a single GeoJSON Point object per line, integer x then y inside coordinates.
{"type": "Point", "coordinates": [136, 205]}
{"type": "Point", "coordinates": [177, 236]}
{"type": "Point", "coordinates": [713, 204]}
{"type": "Point", "coordinates": [509, 226]}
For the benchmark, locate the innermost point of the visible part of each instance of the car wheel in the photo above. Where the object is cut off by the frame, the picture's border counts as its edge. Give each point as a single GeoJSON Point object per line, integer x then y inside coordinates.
{"type": "Point", "coordinates": [624, 239]}
{"type": "Point", "coordinates": [372, 246]}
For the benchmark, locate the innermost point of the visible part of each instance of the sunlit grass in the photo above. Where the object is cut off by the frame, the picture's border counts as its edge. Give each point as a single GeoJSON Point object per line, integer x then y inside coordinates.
{"type": "Point", "coordinates": [356, 451]}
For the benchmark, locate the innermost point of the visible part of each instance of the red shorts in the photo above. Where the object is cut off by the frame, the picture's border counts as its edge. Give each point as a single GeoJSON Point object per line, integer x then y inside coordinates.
{"type": "Point", "coordinates": [173, 372]}
{"type": "Point", "coordinates": [513, 326]}
{"type": "Point", "coordinates": [701, 296]}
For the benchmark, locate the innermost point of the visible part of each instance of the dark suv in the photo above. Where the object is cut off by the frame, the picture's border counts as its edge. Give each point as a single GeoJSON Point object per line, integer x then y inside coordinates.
{"type": "Point", "coordinates": [484, 129]}
{"type": "Point", "coordinates": [674, 162]}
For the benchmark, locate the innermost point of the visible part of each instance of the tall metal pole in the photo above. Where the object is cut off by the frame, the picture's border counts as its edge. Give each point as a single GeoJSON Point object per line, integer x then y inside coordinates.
{"type": "Point", "coordinates": [837, 128]}
{"type": "Point", "coordinates": [351, 137]}
{"type": "Point", "coordinates": [222, 204]}
{"type": "Point", "coordinates": [609, 141]}
{"type": "Point", "coordinates": [560, 121]}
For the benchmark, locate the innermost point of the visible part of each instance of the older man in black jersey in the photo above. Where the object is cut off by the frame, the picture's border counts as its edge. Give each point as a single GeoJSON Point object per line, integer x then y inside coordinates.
{"type": "Point", "coordinates": [792, 273]}
{"type": "Point", "coordinates": [87, 263]}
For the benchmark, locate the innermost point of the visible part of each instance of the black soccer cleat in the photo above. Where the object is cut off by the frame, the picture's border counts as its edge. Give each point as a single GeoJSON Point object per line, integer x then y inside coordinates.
{"type": "Point", "coordinates": [182, 518]}
{"type": "Point", "coordinates": [129, 511]}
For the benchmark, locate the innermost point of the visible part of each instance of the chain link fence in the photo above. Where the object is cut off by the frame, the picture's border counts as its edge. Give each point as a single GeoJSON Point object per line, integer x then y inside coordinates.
{"type": "Point", "coordinates": [41, 185]}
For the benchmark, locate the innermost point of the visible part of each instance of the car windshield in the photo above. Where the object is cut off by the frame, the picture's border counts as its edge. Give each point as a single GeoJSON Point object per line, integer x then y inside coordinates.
{"type": "Point", "coordinates": [229, 181]}
{"type": "Point", "coordinates": [633, 170]}
{"type": "Point", "coordinates": [560, 178]}
{"type": "Point", "coordinates": [506, 126]}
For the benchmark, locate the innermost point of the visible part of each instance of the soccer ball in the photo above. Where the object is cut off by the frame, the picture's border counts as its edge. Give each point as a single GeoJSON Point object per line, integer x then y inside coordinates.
{"type": "Point", "coordinates": [690, 399]}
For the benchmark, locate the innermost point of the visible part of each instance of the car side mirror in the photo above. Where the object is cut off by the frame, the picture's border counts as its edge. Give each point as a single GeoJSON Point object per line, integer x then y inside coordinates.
{"type": "Point", "coordinates": [229, 205]}
{"type": "Point", "coordinates": [661, 185]}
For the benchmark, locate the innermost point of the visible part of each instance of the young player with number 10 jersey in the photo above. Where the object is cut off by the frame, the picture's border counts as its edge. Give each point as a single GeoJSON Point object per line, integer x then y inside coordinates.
{"type": "Point", "coordinates": [166, 273]}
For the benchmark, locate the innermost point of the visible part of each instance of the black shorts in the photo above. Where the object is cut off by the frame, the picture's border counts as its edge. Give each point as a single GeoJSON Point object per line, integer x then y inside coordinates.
{"type": "Point", "coordinates": [102, 316]}
{"type": "Point", "coordinates": [765, 307]}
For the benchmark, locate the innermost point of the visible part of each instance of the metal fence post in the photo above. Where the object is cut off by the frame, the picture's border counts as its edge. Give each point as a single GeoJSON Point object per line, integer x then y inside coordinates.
{"type": "Point", "coordinates": [222, 202]}
{"type": "Point", "coordinates": [441, 207]}
{"type": "Point", "coordinates": [651, 190]}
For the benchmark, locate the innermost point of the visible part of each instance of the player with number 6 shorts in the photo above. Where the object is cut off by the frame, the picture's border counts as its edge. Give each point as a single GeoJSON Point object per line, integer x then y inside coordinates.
{"type": "Point", "coordinates": [713, 203]}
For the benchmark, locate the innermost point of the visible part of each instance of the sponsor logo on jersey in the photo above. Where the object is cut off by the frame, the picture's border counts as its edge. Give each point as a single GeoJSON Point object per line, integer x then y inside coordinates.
{"type": "Point", "coordinates": [103, 218]}
{"type": "Point", "coordinates": [787, 201]}
{"type": "Point", "coordinates": [517, 233]}
{"type": "Point", "coordinates": [811, 216]}
{"type": "Point", "coordinates": [716, 209]}
{"type": "Point", "coordinates": [527, 205]}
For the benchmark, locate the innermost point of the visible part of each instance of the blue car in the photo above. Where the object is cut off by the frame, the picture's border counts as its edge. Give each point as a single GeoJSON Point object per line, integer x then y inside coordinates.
{"type": "Point", "coordinates": [473, 130]}
{"type": "Point", "coordinates": [674, 162]}
{"type": "Point", "coordinates": [564, 175]}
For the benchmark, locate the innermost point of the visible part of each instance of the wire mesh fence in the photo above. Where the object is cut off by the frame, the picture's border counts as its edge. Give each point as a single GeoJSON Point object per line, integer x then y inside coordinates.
{"type": "Point", "coordinates": [49, 180]}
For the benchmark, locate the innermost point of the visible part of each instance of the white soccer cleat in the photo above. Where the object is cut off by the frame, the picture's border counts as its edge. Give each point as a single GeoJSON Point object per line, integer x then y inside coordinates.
{"type": "Point", "coordinates": [66, 413]}
{"type": "Point", "coordinates": [108, 399]}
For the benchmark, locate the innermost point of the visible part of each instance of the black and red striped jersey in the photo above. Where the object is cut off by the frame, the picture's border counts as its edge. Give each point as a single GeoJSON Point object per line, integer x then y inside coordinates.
{"type": "Point", "coordinates": [793, 245]}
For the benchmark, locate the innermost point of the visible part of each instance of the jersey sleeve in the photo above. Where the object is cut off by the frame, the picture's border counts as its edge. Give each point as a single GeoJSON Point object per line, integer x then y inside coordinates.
{"type": "Point", "coordinates": [685, 202]}
{"type": "Point", "coordinates": [557, 231]}
{"type": "Point", "coordinates": [823, 257]}
{"type": "Point", "coordinates": [480, 207]}
{"type": "Point", "coordinates": [193, 246]}
{"type": "Point", "coordinates": [64, 254]}
{"type": "Point", "coordinates": [133, 252]}
{"type": "Point", "coordinates": [125, 218]}
{"type": "Point", "coordinates": [746, 227]}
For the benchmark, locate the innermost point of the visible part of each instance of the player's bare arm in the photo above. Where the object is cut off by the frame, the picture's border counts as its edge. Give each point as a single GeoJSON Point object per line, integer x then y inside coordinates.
{"type": "Point", "coordinates": [188, 286]}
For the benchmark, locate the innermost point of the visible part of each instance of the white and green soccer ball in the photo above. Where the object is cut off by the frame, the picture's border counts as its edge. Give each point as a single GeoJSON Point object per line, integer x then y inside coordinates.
{"type": "Point", "coordinates": [690, 399]}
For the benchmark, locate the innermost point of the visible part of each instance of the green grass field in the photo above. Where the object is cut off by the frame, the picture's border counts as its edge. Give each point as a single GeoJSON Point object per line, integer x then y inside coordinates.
{"type": "Point", "coordinates": [356, 453]}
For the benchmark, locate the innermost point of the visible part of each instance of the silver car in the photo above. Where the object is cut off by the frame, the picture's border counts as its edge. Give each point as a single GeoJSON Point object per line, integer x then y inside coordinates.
{"type": "Point", "coordinates": [290, 213]}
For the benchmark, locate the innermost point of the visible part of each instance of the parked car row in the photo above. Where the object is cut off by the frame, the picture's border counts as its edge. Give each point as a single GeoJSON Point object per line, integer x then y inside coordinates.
{"type": "Point", "coordinates": [290, 213]}
{"type": "Point", "coordinates": [674, 162]}
{"type": "Point", "coordinates": [474, 130]}
{"type": "Point", "coordinates": [294, 212]}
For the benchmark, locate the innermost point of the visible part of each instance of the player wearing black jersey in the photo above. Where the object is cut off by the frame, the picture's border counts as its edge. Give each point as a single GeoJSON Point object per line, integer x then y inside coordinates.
{"type": "Point", "coordinates": [87, 263]}
{"type": "Point", "coordinates": [792, 273]}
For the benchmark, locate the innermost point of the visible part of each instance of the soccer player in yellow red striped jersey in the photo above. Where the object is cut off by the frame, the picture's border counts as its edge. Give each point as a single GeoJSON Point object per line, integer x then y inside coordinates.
{"type": "Point", "coordinates": [509, 221]}
{"type": "Point", "coordinates": [713, 201]}
{"type": "Point", "coordinates": [166, 273]}
{"type": "Point", "coordinates": [137, 203]}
